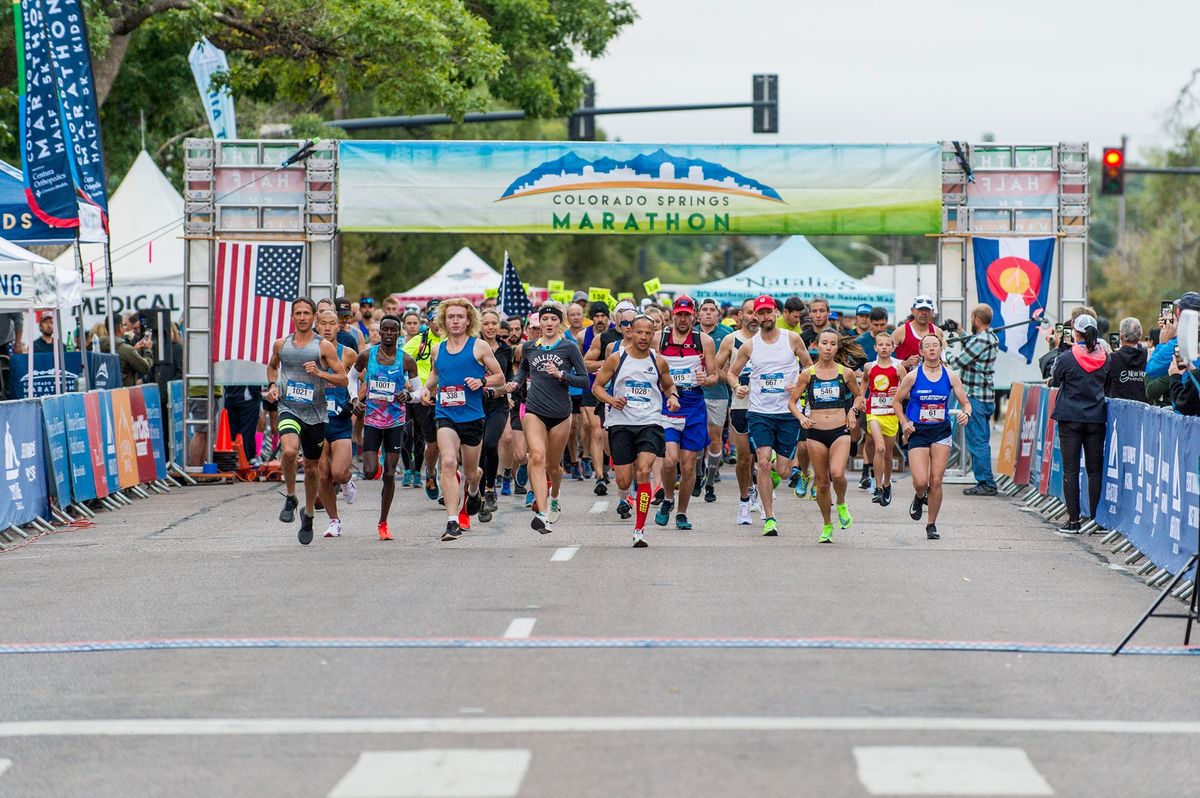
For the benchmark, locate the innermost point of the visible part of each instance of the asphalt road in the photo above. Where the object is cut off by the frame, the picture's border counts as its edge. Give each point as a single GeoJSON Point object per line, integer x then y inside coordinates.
{"type": "Point", "coordinates": [233, 661]}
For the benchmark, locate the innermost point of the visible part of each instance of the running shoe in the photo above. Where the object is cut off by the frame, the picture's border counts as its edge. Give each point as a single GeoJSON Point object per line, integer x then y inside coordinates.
{"type": "Point", "coordinates": [335, 529]}
{"type": "Point", "coordinates": [529, 499]}
{"type": "Point", "coordinates": [407, 480]}
{"type": "Point", "coordinates": [682, 522]}
{"type": "Point", "coordinates": [887, 496]}
{"type": "Point", "coordinates": [577, 472]}
{"type": "Point", "coordinates": [305, 535]}
{"type": "Point", "coordinates": [349, 492]}
{"type": "Point", "coordinates": [659, 495]}
{"type": "Point", "coordinates": [775, 479]}
{"type": "Point", "coordinates": [794, 478]}
{"type": "Point", "coordinates": [555, 511]}
{"type": "Point", "coordinates": [864, 482]}
{"type": "Point", "coordinates": [664, 512]}
{"type": "Point", "coordinates": [743, 517]}
{"type": "Point", "coordinates": [980, 490]}
{"type": "Point", "coordinates": [506, 486]}
{"type": "Point", "coordinates": [474, 502]}
{"type": "Point", "coordinates": [770, 528]}
{"type": "Point", "coordinates": [916, 508]}
{"type": "Point", "coordinates": [624, 509]}
{"type": "Point", "coordinates": [464, 520]}
{"type": "Point", "coordinates": [826, 534]}
{"type": "Point", "coordinates": [601, 488]}
{"type": "Point", "coordinates": [812, 488]}
{"type": "Point", "coordinates": [801, 486]}
{"type": "Point", "coordinates": [697, 489]}
{"type": "Point", "coordinates": [522, 476]}
{"type": "Point", "coordinates": [453, 531]}
{"type": "Point", "coordinates": [639, 539]}
{"type": "Point", "coordinates": [489, 501]}
{"type": "Point", "coordinates": [288, 514]}
{"type": "Point", "coordinates": [1071, 528]}
{"type": "Point", "coordinates": [382, 528]}
{"type": "Point", "coordinates": [877, 496]}
{"type": "Point", "coordinates": [710, 494]}
{"type": "Point", "coordinates": [318, 504]}
{"type": "Point", "coordinates": [540, 524]}
{"type": "Point", "coordinates": [844, 518]}
{"type": "Point", "coordinates": [485, 515]}
{"type": "Point", "coordinates": [931, 532]}
{"type": "Point", "coordinates": [586, 464]}
{"type": "Point", "coordinates": [755, 503]}
{"type": "Point", "coordinates": [431, 487]}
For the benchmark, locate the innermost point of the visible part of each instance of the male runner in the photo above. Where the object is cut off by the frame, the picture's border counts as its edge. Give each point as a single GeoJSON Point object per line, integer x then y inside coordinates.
{"type": "Point", "coordinates": [389, 382]}
{"type": "Point", "coordinates": [908, 335]}
{"type": "Point", "coordinates": [744, 469]}
{"type": "Point", "coordinates": [772, 355]}
{"type": "Point", "coordinates": [421, 347]}
{"type": "Point", "coordinates": [300, 366]}
{"type": "Point", "coordinates": [716, 401]}
{"type": "Point", "coordinates": [335, 459]}
{"type": "Point", "coordinates": [596, 340]}
{"type": "Point", "coordinates": [639, 380]}
{"type": "Point", "coordinates": [462, 366]}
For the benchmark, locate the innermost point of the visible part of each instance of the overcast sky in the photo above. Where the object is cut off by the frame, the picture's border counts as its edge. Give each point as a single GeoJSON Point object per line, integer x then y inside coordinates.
{"type": "Point", "coordinates": [904, 71]}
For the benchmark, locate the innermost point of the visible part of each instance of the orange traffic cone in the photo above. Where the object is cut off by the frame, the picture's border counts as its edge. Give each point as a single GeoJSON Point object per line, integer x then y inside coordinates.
{"type": "Point", "coordinates": [240, 447]}
{"type": "Point", "coordinates": [224, 442]}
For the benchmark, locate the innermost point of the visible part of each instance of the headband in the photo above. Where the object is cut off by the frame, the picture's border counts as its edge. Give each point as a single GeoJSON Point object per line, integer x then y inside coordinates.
{"type": "Point", "coordinates": [550, 309]}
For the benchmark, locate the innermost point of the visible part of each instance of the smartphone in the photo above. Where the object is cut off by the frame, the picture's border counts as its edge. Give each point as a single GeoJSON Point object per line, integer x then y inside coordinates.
{"type": "Point", "coordinates": [1166, 309]}
{"type": "Point", "coordinates": [1058, 330]}
{"type": "Point", "coordinates": [1114, 341]}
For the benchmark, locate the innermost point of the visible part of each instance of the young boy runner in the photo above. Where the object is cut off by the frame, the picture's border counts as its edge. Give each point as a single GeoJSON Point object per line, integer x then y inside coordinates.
{"type": "Point", "coordinates": [883, 377]}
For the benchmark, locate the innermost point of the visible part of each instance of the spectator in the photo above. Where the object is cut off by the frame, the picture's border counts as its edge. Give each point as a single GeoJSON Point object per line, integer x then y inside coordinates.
{"type": "Point", "coordinates": [1058, 345]}
{"type": "Point", "coordinates": [134, 352]}
{"type": "Point", "coordinates": [1160, 359]}
{"type": "Point", "coordinates": [1127, 365]}
{"type": "Point", "coordinates": [45, 340]}
{"type": "Point", "coordinates": [976, 365]}
{"type": "Point", "coordinates": [877, 322]}
{"type": "Point", "coordinates": [862, 319]}
{"type": "Point", "coordinates": [1081, 412]}
{"type": "Point", "coordinates": [793, 310]}
{"type": "Point", "coordinates": [1158, 389]}
{"type": "Point", "coordinates": [1185, 389]}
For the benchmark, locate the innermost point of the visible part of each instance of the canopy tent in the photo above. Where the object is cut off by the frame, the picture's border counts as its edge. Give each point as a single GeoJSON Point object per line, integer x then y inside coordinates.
{"type": "Point", "coordinates": [146, 244]}
{"type": "Point", "coordinates": [30, 282]}
{"type": "Point", "coordinates": [466, 275]}
{"type": "Point", "coordinates": [797, 268]}
{"type": "Point", "coordinates": [17, 221]}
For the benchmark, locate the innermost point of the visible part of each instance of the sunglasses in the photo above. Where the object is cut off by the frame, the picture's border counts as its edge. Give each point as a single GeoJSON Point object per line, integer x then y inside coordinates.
{"type": "Point", "coordinates": [630, 322]}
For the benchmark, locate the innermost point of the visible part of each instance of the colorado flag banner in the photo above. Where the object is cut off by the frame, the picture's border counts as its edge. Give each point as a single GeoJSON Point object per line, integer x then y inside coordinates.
{"type": "Point", "coordinates": [1012, 275]}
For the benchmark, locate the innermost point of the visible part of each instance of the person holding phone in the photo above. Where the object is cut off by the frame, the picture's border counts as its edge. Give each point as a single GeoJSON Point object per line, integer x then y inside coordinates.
{"type": "Point", "coordinates": [1159, 362]}
{"type": "Point", "coordinates": [1127, 363]}
{"type": "Point", "coordinates": [1081, 412]}
{"type": "Point", "coordinates": [1059, 342]}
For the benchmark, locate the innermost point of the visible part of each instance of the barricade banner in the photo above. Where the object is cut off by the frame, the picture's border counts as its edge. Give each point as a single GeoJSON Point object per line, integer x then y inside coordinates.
{"type": "Point", "coordinates": [1049, 443]}
{"type": "Point", "coordinates": [1006, 463]}
{"type": "Point", "coordinates": [55, 421]}
{"type": "Point", "coordinates": [158, 438]}
{"type": "Point", "coordinates": [1056, 479]}
{"type": "Point", "coordinates": [99, 438]}
{"type": "Point", "coordinates": [80, 447]}
{"type": "Point", "coordinates": [24, 493]}
{"type": "Point", "coordinates": [1039, 440]}
{"type": "Point", "coordinates": [105, 372]}
{"type": "Point", "coordinates": [141, 434]}
{"type": "Point", "coordinates": [110, 441]}
{"type": "Point", "coordinates": [175, 389]}
{"type": "Point", "coordinates": [126, 441]}
{"type": "Point", "coordinates": [1029, 416]}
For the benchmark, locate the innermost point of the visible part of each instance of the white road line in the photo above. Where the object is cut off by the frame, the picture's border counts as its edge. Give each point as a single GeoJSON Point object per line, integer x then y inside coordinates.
{"type": "Point", "coordinates": [4, 765]}
{"type": "Point", "coordinates": [927, 770]}
{"type": "Point", "coordinates": [175, 727]}
{"type": "Point", "coordinates": [435, 773]}
{"type": "Point", "coordinates": [564, 554]}
{"type": "Point", "coordinates": [520, 627]}
{"type": "Point", "coordinates": [599, 507]}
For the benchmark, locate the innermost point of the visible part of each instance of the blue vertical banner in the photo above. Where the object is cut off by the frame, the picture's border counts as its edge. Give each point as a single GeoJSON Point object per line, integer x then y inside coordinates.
{"type": "Point", "coordinates": [110, 441]}
{"type": "Point", "coordinates": [158, 440]}
{"type": "Point", "coordinates": [24, 493]}
{"type": "Point", "coordinates": [208, 61]}
{"type": "Point", "coordinates": [55, 421]}
{"type": "Point", "coordinates": [45, 157]}
{"type": "Point", "coordinates": [178, 455]}
{"type": "Point", "coordinates": [83, 479]}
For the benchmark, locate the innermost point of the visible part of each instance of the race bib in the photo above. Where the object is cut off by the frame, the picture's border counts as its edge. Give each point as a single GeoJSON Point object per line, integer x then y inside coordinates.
{"type": "Point", "coordinates": [333, 408]}
{"type": "Point", "coordinates": [684, 378]}
{"type": "Point", "coordinates": [882, 405]}
{"type": "Point", "coordinates": [932, 414]}
{"type": "Point", "coordinates": [637, 392]}
{"type": "Point", "coordinates": [827, 393]}
{"type": "Point", "coordinates": [381, 389]}
{"type": "Point", "coordinates": [452, 396]}
{"type": "Point", "coordinates": [300, 391]}
{"type": "Point", "coordinates": [771, 383]}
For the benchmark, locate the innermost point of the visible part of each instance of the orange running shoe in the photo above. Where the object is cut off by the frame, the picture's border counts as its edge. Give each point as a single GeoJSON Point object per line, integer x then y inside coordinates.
{"type": "Point", "coordinates": [464, 520]}
{"type": "Point", "coordinates": [383, 531]}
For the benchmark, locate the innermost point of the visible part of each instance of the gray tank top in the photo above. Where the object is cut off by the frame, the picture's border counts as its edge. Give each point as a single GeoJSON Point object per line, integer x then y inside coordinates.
{"type": "Point", "coordinates": [300, 393]}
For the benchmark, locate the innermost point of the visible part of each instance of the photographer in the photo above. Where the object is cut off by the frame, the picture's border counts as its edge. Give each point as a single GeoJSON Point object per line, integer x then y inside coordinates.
{"type": "Point", "coordinates": [1159, 362]}
{"type": "Point", "coordinates": [135, 351]}
{"type": "Point", "coordinates": [1127, 364]}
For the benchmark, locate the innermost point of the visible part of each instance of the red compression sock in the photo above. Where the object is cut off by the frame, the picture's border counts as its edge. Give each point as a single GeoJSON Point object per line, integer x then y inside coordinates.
{"type": "Point", "coordinates": [642, 506]}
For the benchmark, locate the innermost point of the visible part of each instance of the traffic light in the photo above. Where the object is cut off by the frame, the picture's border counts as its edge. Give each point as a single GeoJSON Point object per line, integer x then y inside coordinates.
{"type": "Point", "coordinates": [1112, 171]}
{"type": "Point", "coordinates": [766, 108]}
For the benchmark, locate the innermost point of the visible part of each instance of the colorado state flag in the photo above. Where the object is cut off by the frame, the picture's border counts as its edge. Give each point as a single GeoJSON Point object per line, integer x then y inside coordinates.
{"type": "Point", "coordinates": [1012, 276]}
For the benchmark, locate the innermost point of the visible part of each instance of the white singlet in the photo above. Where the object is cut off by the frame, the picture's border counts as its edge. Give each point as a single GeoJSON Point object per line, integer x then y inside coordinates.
{"type": "Point", "coordinates": [636, 381]}
{"type": "Point", "coordinates": [773, 369]}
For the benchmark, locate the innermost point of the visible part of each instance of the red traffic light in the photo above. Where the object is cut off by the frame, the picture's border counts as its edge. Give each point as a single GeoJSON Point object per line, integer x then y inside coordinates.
{"type": "Point", "coordinates": [1113, 157]}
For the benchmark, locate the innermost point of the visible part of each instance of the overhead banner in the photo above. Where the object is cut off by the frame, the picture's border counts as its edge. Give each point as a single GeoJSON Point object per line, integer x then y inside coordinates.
{"type": "Point", "coordinates": [639, 189]}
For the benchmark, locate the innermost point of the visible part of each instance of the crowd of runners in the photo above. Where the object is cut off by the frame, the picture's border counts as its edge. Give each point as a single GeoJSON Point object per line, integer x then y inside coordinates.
{"type": "Point", "coordinates": [649, 402]}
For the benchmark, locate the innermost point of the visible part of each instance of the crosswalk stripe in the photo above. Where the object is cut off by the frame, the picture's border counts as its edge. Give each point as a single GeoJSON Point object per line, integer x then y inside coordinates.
{"type": "Point", "coordinates": [520, 627]}
{"type": "Point", "coordinates": [564, 554]}
{"type": "Point", "coordinates": [435, 773]}
{"type": "Point", "coordinates": [948, 770]}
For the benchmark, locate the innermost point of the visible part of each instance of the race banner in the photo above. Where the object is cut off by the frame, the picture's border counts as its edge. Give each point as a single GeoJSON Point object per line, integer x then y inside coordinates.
{"type": "Point", "coordinates": [1012, 275]}
{"type": "Point", "coordinates": [1039, 438]}
{"type": "Point", "coordinates": [1028, 432]}
{"type": "Point", "coordinates": [45, 157]}
{"type": "Point", "coordinates": [126, 440]}
{"type": "Point", "coordinates": [178, 450]}
{"type": "Point", "coordinates": [615, 188]}
{"type": "Point", "coordinates": [54, 419]}
{"type": "Point", "coordinates": [1049, 442]}
{"type": "Point", "coordinates": [23, 490]}
{"type": "Point", "coordinates": [207, 60]}
{"type": "Point", "coordinates": [141, 435]}
{"type": "Point", "coordinates": [99, 431]}
{"type": "Point", "coordinates": [111, 477]}
{"type": "Point", "coordinates": [158, 442]}
{"type": "Point", "coordinates": [1006, 460]}
{"type": "Point", "coordinates": [105, 372]}
{"type": "Point", "coordinates": [79, 447]}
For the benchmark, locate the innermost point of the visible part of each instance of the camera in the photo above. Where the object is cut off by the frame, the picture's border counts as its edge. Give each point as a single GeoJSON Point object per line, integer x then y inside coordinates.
{"type": "Point", "coordinates": [950, 326]}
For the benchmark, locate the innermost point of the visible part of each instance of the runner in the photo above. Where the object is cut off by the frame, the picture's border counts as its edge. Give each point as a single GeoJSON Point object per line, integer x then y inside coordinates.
{"type": "Point", "coordinates": [512, 444]}
{"type": "Point", "coordinates": [692, 359]}
{"type": "Point", "coordinates": [771, 355]}
{"type": "Point", "coordinates": [390, 381]}
{"type": "Point", "coordinates": [421, 349]}
{"type": "Point", "coordinates": [716, 401]}
{"type": "Point", "coordinates": [596, 340]}
{"type": "Point", "coordinates": [926, 422]}
{"type": "Point", "coordinates": [737, 410]}
{"type": "Point", "coordinates": [883, 377]}
{"type": "Point", "coordinates": [414, 446]}
{"type": "Point", "coordinates": [639, 380]}
{"type": "Point", "coordinates": [578, 443]}
{"type": "Point", "coordinates": [548, 367]}
{"type": "Point", "coordinates": [303, 363]}
{"type": "Point", "coordinates": [495, 411]}
{"type": "Point", "coordinates": [909, 335]}
{"type": "Point", "coordinates": [462, 366]}
{"type": "Point", "coordinates": [335, 459]}
{"type": "Point", "coordinates": [828, 385]}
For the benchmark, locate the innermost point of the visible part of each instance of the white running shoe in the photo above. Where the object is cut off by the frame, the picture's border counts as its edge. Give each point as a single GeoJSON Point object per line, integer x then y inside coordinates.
{"type": "Point", "coordinates": [744, 513]}
{"type": "Point", "coordinates": [639, 539]}
{"type": "Point", "coordinates": [335, 529]}
{"type": "Point", "coordinates": [555, 511]}
{"type": "Point", "coordinates": [349, 492]}
{"type": "Point", "coordinates": [755, 504]}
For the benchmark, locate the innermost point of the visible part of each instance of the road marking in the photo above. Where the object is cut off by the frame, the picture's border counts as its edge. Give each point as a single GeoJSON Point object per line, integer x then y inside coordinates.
{"type": "Point", "coordinates": [435, 773]}
{"type": "Point", "coordinates": [520, 627]}
{"type": "Point", "coordinates": [598, 507]}
{"type": "Point", "coordinates": [176, 727]}
{"type": "Point", "coordinates": [564, 554]}
{"type": "Point", "coordinates": [921, 770]}
{"type": "Point", "coordinates": [4, 765]}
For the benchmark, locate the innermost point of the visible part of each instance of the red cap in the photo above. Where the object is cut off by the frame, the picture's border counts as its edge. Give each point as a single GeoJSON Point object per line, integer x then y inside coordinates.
{"type": "Point", "coordinates": [764, 301]}
{"type": "Point", "coordinates": [685, 303]}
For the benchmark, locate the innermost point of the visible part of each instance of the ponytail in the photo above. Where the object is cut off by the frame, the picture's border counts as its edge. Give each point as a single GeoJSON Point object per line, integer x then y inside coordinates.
{"type": "Point", "coordinates": [1090, 336]}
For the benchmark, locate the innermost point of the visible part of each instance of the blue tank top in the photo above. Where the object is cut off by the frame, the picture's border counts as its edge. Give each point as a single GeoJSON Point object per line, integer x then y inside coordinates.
{"type": "Point", "coordinates": [384, 384]}
{"type": "Point", "coordinates": [337, 396]}
{"type": "Point", "coordinates": [929, 400]}
{"type": "Point", "coordinates": [455, 400]}
{"type": "Point", "coordinates": [827, 394]}
{"type": "Point", "coordinates": [571, 389]}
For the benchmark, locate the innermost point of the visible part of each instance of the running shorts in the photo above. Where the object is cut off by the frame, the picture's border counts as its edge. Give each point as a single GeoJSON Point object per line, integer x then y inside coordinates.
{"type": "Point", "coordinates": [391, 439]}
{"type": "Point", "coordinates": [270, 407]}
{"type": "Point", "coordinates": [590, 400]}
{"type": "Point", "coordinates": [576, 404]}
{"type": "Point", "coordinates": [689, 429]}
{"type": "Point", "coordinates": [717, 410]}
{"type": "Point", "coordinates": [827, 437]}
{"type": "Point", "coordinates": [312, 436]}
{"type": "Point", "coordinates": [778, 431]}
{"type": "Point", "coordinates": [626, 442]}
{"type": "Point", "coordinates": [889, 425]}
{"type": "Point", "coordinates": [339, 429]}
{"type": "Point", "coordinates": [926, 435]}
{"type": "Point", "coordinates": [470, 433]}
{"type": "Point", "coordinates": [550, 422]}
{"type": "Point", "coordinates": [737, 420]}
{"type": "Point", "coordinates": [423, 418]}
{"type": "Point", "coordinates": [514, 417]}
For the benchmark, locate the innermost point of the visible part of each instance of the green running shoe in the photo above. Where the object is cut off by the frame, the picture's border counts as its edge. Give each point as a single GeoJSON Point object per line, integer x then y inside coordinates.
{"type": "Point", "coordinates": [801, 486]}
{"type": "Point", "coordinates": [844, 518]}
{"type": "Point", "coordinates": [770, 528]}
{"type": "Point", "coordinates": [827, 534]}
{"type": "Point", "coordinates": [775, 480]}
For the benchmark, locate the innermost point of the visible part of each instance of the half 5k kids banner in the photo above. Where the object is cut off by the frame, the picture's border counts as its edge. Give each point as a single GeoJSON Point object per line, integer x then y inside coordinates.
{"type": "Point", "coordinates": [638, 189]}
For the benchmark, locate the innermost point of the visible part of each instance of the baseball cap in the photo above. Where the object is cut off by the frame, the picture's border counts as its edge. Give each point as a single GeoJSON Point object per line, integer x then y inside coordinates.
{"type": "Point", "coordinates": [578, 295]}
{"type": "Point", "coordinates": [863, 310]}
{"type": "Point", "coordinates": [1083, 321]}
{"type": "Point", "coordinates": [342, 306]}
{"type": "Point", "coordinates": [366, 301]}
{"type": "Point", "coordinates": [834, 315]}
{"type": "Point", "coordinates": [683, 303]}
{"type": "Point", "coordinates": [762, 302]}
{"type": "Point", "coordinates": [624, 304]}
{"type": "Point", "coordinates": [923, 301]}
{"type": "Point", "coordinates": [1189, 301]}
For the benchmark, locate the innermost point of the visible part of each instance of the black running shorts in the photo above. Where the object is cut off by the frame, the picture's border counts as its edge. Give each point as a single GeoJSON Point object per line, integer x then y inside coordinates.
{"type": "Point", "coordinates": [470, 433]}
{"type": "Point", "coordinates": [627, 442]}
{"type": "Point", "coordinates": [312, 436]}
{"type": "Point", "coordinates": [391, 439]}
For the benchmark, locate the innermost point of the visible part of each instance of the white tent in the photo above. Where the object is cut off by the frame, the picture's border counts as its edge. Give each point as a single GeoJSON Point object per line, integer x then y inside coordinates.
{"type": "Point", "coordinates": [30, 282]}
{"type": "Point", "coordinates": [466, 275]}
{"type": "Point", "coordinates": [797, 268]}
{"type": "Point", "coordinates": [146, 229]}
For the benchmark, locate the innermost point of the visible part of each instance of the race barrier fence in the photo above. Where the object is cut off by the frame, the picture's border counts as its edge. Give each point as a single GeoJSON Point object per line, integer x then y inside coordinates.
{"type": "Point", "coordinates": [1150, 500]}
{"type": "Point", "coordinates": [62, 452]}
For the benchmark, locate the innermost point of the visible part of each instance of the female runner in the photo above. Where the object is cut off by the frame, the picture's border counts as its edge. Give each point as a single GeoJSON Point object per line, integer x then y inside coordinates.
{"type": "Point", "coordinates": [495, 408]}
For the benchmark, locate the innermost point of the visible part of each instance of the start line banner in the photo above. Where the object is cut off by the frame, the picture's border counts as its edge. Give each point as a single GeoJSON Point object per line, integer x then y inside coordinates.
{"type": "Point", "coordinates": [616, 188]}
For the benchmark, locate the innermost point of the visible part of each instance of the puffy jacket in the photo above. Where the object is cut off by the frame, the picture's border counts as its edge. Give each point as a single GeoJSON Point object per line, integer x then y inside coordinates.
{"type": "Point", "coordinates": [1184, 395]}
{"type": "Point", "coordinates": [1127, 374]}
{"type": "Point", "coordinates": [1080, 376]}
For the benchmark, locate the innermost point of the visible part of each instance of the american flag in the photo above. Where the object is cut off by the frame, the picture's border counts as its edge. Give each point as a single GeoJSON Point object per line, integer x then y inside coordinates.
{"type": "Point", "coordinates": [254, 289]}
{"type": "Point", "coordinates": [512, 299]}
